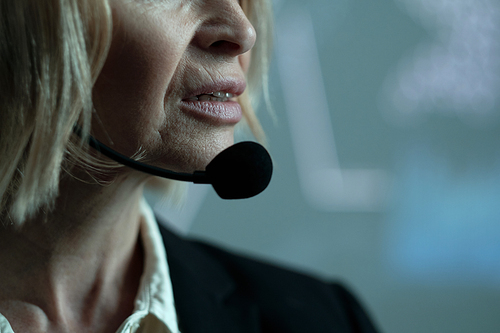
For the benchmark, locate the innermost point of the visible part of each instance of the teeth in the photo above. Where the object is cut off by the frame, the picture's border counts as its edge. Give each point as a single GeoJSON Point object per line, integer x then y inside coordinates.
{"type": "Point", "coordinates": [218, 96]}
{"type": "Point", "coordinates": [204, 98]}
{"type": "Point", "coordinates": [222, 94]}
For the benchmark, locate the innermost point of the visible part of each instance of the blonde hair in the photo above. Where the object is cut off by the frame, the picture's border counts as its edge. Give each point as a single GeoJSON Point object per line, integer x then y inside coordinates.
{"type": "Point", "coordinates": [51, 53]}
{"type": "Point", "coordinates": [259, 13]}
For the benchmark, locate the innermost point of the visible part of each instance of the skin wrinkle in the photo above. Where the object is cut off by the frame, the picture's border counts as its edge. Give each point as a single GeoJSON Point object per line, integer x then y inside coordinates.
{"type": "Point", "coordinates": [161, 51]}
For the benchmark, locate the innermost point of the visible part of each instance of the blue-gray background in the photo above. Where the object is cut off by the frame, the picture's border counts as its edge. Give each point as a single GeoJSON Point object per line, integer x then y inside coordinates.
{"type": "Point", "coordinates": [387, 160]}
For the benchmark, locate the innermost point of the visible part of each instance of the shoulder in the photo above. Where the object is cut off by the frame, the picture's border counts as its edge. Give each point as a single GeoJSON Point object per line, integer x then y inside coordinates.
{"type": "Point", "coordinates": [286, 298]}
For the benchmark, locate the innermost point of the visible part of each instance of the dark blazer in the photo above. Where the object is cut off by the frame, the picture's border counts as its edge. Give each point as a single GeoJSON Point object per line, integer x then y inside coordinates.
{"type": "Point", "coordinates": [216, 291]}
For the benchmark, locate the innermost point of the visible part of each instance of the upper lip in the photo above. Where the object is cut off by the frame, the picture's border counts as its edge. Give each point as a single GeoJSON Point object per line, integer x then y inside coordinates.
{"type": "Point", "coordinates": [233, 86]}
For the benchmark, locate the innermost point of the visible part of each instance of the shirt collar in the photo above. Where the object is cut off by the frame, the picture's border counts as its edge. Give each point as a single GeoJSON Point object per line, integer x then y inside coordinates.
{"type": "Point", "coordinates": [155, 296]}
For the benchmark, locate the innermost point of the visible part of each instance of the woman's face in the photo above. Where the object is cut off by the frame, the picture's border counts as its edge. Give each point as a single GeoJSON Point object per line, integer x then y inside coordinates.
{"type": "Point", "coordinates": [166, 57]}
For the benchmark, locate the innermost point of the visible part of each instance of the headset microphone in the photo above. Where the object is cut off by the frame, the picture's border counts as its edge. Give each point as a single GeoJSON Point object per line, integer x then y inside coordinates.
{"type": "Point", "coordinates": [241, 171]}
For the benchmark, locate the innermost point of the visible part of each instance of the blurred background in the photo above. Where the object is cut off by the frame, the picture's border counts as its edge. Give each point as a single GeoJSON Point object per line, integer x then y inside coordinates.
{"type": "Point", "coordinates": [386, 147]}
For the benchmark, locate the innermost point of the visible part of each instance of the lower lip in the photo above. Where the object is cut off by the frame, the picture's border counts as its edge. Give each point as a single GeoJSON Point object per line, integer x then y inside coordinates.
{"type": "Point", "coordinates": [228, 112]}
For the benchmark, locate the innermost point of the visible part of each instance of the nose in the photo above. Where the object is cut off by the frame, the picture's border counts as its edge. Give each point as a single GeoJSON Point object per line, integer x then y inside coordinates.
{"type": "Point", "coordinates": [225, 30]}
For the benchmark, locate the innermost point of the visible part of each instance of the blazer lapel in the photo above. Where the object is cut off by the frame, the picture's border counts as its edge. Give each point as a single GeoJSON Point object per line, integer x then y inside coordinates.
{"type": "Point", "coordinates": [206, 297]}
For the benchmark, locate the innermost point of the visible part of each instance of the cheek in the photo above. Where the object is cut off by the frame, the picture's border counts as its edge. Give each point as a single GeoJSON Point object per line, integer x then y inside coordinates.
{"type": "Point", "coordinates": [129, 93]}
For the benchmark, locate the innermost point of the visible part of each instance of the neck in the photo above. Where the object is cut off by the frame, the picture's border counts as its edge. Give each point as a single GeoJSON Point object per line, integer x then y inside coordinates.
{"type": "Point", "coordinates": [80, 264]}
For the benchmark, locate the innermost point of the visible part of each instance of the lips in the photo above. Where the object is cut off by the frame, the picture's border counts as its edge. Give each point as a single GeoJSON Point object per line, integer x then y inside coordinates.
{"type": "Point", "coordinates": [214, 102]}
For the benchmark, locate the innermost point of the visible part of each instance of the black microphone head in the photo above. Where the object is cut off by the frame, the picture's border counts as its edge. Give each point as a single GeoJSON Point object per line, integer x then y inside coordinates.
{"type": "Point", "coordinates": [240, 171]}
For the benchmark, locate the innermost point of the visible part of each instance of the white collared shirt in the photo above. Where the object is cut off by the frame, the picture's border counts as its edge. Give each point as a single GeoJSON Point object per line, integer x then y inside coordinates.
{"type": "Point", "coordinates": [154, 310]}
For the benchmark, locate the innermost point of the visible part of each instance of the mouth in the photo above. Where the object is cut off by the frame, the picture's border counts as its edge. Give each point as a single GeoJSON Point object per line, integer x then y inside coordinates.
{"type": "Point", "coordinates": [218, 107]}
{"type": "Point", "coordinates": [215, 102]}
{"type": "Point", "coordinates": [218, 96]}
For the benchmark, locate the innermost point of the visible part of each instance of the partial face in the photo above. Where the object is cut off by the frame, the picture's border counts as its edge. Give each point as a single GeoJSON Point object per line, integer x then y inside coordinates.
{"type": "Point", "coordinates": [155, 91]}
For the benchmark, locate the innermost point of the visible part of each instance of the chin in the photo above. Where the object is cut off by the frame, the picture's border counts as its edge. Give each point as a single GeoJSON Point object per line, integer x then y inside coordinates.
{"type": "Point", "coordinates": [189, 154]}
{"type": "Point", "coordinates": [202, 157]}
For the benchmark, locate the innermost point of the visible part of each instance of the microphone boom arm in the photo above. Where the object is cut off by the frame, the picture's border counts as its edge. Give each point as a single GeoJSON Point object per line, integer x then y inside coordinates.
{"type": "Point", "coordinates": [240, 171]}
{"type": "Point", "coordinates": [198, 177]}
